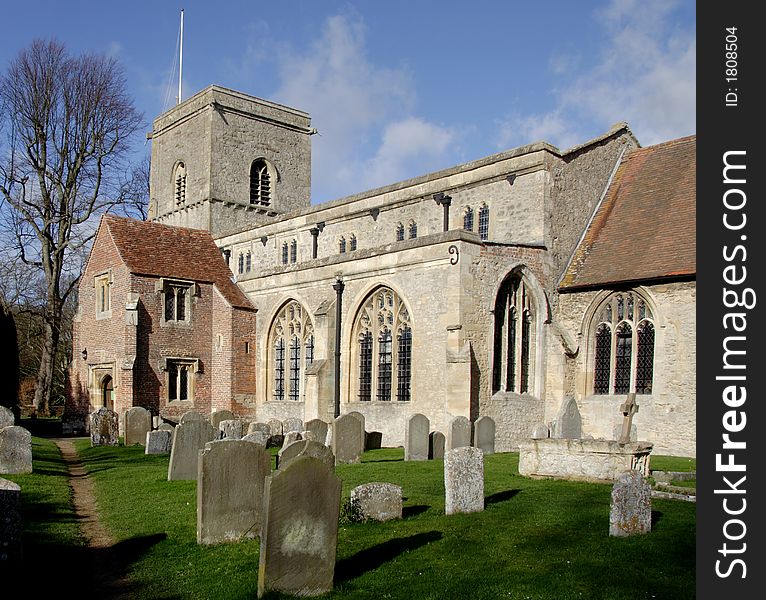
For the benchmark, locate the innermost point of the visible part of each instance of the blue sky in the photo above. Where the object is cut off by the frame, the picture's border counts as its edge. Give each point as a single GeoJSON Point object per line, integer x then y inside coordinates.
{"type": "Point", "coordinates": [397, 89]}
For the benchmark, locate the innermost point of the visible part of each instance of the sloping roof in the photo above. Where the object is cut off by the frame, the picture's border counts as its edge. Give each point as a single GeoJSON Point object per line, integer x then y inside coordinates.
{"type": "Point", "coordinates": [163, 251]}
{"type": "Point", "coordinates": [645, 228]}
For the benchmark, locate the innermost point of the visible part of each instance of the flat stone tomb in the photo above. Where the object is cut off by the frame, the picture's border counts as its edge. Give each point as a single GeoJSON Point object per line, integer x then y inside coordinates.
{"type": "Point", "coordinates": [377, 501]}
{"type": "Point", "coordinates": [230, 483]}
{"type": "Point", "coordinates": [416, 437]}
{"type": "Point", "coordinates": [15, 450]}
{"type": "Point", "coordinates": [138, 422]}
{"type": "Point", "coordinates": [189, 438]}
{"type": "Point", "coordinates": [631, 505]}
{"type": "Point", "coordinates": [104, 427]}
{"type": "Point", "coordinates": [463, 480]}
{"type": "Point", "coordinates": [299, 535]}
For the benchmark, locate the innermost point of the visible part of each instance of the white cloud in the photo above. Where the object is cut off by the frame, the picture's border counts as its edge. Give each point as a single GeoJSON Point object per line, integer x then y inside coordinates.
{"type": "Point", "coordinates": [645, 75]}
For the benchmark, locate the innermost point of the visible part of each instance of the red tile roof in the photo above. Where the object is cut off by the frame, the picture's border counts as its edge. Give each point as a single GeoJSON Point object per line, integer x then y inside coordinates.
{"type": "Point", "coordinates": [645, 228]}
{"type": "Point", "coordinates": [162, 251]}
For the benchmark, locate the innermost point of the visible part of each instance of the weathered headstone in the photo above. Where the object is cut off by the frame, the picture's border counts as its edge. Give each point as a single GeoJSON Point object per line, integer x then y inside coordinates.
{"type": "Point", "coordinates": [540, 432]}
{"type": "Point", "coordinates": [192, 415]}
{"type": "Point", "coordinates": [377, 501]}
{"type": "Point", "coordinates": [104, 427]}
{"type": "Point", "coordinates": [373, 440]}
{"type": "Point", "coordinates": [463, 480]}
{"type": "Point", "coordinates": [484, 434]}
{"type": "Point", "coordinates": [158, 441]}
{"type": "Point", "coordinates": [569, 424]}
{"type": "Point", "coordinates": [10, 524]}
{"type": "Point", "coordinates": [416, 437]}
{"type": "Point", "coordinates": [318, 428]}
{"type": "Point", "coordinates": [165, 427]}
{"type": "Point", "coordinates": [631, 508]}
{"type": "Point", "coordinates": [221, 415]}
{"type": "Point", "coordinates": [291, 438]}
{"type": "Point", "coordinates": [276, 437]}
{"type": "Point", "coordinates": [230, 481]}
{"type": "Point", "coordinates": [292, 424]}
{"type": "Point", "coordinates": [138, 422]}
{"type": "Point", "coordinates": [458, 433]}
{"type": "Point", "coordinates": [305, 448]}
{"type": "Point", "coordinates": [15, 450]}
{"type": "Point", "coordinates": [436, 443]}
{"type": "Point", "coordinates": [262, 427]}
{"type": "Point", "coordinates": [347, 439]}
{"type": "Point", "coordinates": [628, 409]}
{"type": "Point", "coordinates": [6, 417]}
{"type": "Point", "coordinates": [257, 437]}
{"type": "Point", "coordinates": [362, 425]}
{"type": "Point", "coordinates": [189, 438]}
{"type": "Point", "coordinates": [300, 529]}
{"type": "Point", "coordinates": [231, 429]}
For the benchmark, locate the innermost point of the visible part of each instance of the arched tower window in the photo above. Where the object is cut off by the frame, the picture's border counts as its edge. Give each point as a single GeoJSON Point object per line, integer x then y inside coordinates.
{"type": "Point", "coordinates": [342, 245]}
{"type": "Point", "coordinates": [248, 261]}
{"type": "Point", "coordinates": [382, 348]}
{"type": "Point", "coordinates": [260, 183]}
{"type": "Point", "coordinates": [399, 232]}
{"type": "Point", "coordinates": [514, 337]}
{"type": "Point", "coordinates": [352, 243]}
{"type": "Point", "coordinates": [291, 341]}
{"type": "Point", "coordinates": [413, 230]}
{"type": "Point", "coordinates": [468, 219]}
{"type": "Point", "coordinates": [484, 222]}
{"type": "Point", "coordinates": [179, 183]}
{"type": "Point", "coordinates": [241, 263]}
{"type": "Point", "coordinates": [623, 346]}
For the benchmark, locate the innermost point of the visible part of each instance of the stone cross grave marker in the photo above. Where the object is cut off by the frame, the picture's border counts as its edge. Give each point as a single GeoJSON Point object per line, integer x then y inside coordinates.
{"type": "Point", "coordinates": [628, 408]}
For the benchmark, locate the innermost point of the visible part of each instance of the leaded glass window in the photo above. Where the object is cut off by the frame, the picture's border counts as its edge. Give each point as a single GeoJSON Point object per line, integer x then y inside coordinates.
{"type": "Point", "coordinates": [285, 251]}
{"type": "Point", "coordinates": [295, 368]}
{"type": "Point", "coordinates": [383, 353]}
{"type": "Point", "coordinates": [248, 262]}
{"type": "Point", "coordinates": [176, 300]}
{"type": "Point", "coordinates": [279, 369]}
{"type": "Point", "coordinates": [468, 219]}
{"type": "Point", "coordinates": [623, 346]}
{"type": "Point", "coordinates": [484, 222]}
{"type": "Point", "coordinates": [180, 379]}
{"type": "Point", "coordinates": [399, 232]}
{"type": "Point", "coordinates": [292, 340]}
{"type": "Point", "coordinates": [526, 321]}
{"type": "Point", "coordinates": [413, 230]}
{"type": "Point", "coordinates": [514, 338]}
{"type": "Point", "coordinates": [352, 243]}
{"type": "Point", "coordinates": [342, 245]}
{"type": "Point", "coordinates": [241, 263]}
{"type": "Point", "coordinates": [293, 251]}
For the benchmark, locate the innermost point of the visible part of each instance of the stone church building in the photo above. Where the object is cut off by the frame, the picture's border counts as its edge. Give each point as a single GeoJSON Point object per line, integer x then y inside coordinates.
{"type": "Point", "coordinates": [536, 286]}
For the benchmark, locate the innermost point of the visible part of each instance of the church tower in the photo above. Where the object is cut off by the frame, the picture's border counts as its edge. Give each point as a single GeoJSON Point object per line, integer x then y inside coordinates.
{"type": "Point", "coordinates": [224, 161]}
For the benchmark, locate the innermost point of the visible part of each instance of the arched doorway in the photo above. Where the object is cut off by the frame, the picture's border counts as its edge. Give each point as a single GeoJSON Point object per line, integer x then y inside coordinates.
{"type": "Point", "coordinates": [107, 392]}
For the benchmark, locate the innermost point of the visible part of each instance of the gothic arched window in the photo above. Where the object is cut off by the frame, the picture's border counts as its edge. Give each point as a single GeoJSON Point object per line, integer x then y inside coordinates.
{"type": "Point", "coordinates": [382, 348]}
{"type": "Point", "coordinates": [260, 183]}
{"type": "Point", "coordinates": [291, 340]}
{"type": "Point", "coordinates": [468, 219]}
{"type": "Point", "coordinates": [352, 243]}
{"type": "Point", "coordinates": [241, 263]}
{"type": "Point", "coordinates": [248, 261]}
{"type": "Point", "coordinates": [513, 338]}
{"type": "Point", "coordinates": [399, 232]}
{"type": "Point", "coordinates": [342, 245]}
{"type": "Point", "coordinates": [293, 251]}
{"type": "Point", "coordinates": [484, 222]}
{"type": "Point", "coordinates": [623, 346]}
{"type": "Point", "coordinates": [413, 230]}
{"type": "Point", "coordinates": [179, 183]}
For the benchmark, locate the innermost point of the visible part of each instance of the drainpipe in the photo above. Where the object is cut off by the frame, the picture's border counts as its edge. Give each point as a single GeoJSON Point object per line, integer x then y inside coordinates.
{"type": "Point", "coordinates": [338, 287]}
{"type": "Point", "coordinates": [444, 200]}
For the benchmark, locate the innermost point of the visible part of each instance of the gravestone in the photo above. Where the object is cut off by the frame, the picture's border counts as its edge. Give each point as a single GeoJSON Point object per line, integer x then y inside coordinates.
{"type": "Point", "coordinates": [165, 427]}
{"type": "Point", "coordinates": [261, 427]}
{"type": "Point", "coordinates": [230, 481]}
{"type": "Point", "coordinates": [6, 417]}
{"type": "Point", "coordinates": [292, 424]}
{"type": "Point", "coordinates": [436, 443]}
{"type": "Point", "coordinates": [347, 439]}
{"type": "Point", "coordinates": [373, 440]}
{"type": "Point", "coordinates": [276, 437]}
{"type": "Point", "coordinates": [463, 480]}
{"type": "Point", "coordinates": [231, 429]}
{"type": "Point", "coordinates": [300, 529]}
{"type": "Point", "coordinates": [104, 427]}
{"type": "Point", "coordinates": [540, 432]}
{"type": "Point", "coordinates": [416, 437]}
{"type": "Point", "coordinates": [362, 424]}
{"type": "Point", "coordinates": [484, 434]}
{"type": "Point", "coordinates": [138, 422]}
{"type": "Point", "coordinates": [158, 441]}
{"type": "Point", "coordinates": [377, 501]}
{"type": "Point", "coordinates": [458, 433]}
{"type": "Point", "coordinates": [192, 415]}
{"type": "Point", "coordinates": [257, 437]}
{"type": "Point", "coordinates": [631, 507]}
{"type": "Point", "coordinates": [15, 450]}
{"type": "Point", "coordinates": [570, 422]}
{"type": "Point", "coordinates": [318, 428]}
{"type": "Point", "coordinates": [221, 415]}
{"type": "Point", "coordinates": [10, 525]}
{"type": "Point", "coordinates": [189, 438]}
{"type": "Point", "coordinates": [305, 448]}
{"type": "Point", "coordinates": [628, 409]}
{"type": "Point", "coordinates": [291, 438]}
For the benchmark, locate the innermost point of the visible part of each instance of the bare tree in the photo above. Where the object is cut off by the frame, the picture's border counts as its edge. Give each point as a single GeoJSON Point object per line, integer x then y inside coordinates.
{"type": "Point", "coordinates": [68, 121]}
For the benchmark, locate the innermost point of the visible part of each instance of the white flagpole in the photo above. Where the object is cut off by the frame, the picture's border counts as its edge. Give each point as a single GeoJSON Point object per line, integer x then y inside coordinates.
{"type": "Point", "coordinates": [181, 57]}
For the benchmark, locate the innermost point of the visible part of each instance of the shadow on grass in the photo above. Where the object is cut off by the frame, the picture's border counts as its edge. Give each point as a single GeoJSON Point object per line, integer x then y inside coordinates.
{"type": "Point", "coordinates": [374, 557]}
{"type": "Point", "coordinates": [656, 516]}
{"type": "Point", "coordinates": [414, 510]}
{"type": "Point", "coordinates": [500, 497]}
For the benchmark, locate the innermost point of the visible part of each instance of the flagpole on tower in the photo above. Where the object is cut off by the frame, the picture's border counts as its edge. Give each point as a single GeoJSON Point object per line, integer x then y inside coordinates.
{"type": "Point", "coordinates": [181, 57]}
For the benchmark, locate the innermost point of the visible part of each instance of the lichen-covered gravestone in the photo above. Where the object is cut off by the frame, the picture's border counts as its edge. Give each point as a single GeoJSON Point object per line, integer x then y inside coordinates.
{"type": "Point", "coordinates": [15, 450]}
{"type": "Point", "coordinates": [299, 536]}
{"type": "Point", "coordinates": [104, 427]}
{"type": "Point", "coordinates": [458, 433]}
{"type": "Point", "coordinates": [10, 525]}
{"type": "Point", "coordinates": [318, 428]}
{"type": "Point", "coordinates": [6, 417]}
{"type": "Point", "coordinates": [232, 429]}
{"type": "Point", "coordinates": [463, 480]}
{"type": "Point", "coordinates": [230, 482]}
{"type": "Point", "coordinates": [221, 415]}
{"type": "Point", "coordinates": [377, 501]}
{"type": "Point", "coordinates": [188, 439]}
{"type": "Point", "coordinates": [305, 448]}
{"type": "Point", "coordinates": [416, 437]}
{"type": "Point", "coordinates": [138, 422]}
{"type": "Point", "coordinates": [292, 424]}
{"type": "Point", "coordinates": [347, 439]}
{"type": "Point", "coordinates": [158, 441]}
{"type": "Point", "coordinates": [631, 509]}
{"type": "Point", "coordinates": [484, 434]}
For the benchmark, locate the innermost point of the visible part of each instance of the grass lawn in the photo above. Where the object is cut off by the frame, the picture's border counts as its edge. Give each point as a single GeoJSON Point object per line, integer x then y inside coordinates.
{"type": "Point", "coordinates": [536, 539]}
